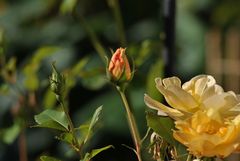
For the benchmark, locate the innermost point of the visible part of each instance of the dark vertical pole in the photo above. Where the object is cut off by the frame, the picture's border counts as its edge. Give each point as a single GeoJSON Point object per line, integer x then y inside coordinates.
{"type": "Point", "coordinates": [169, 7]}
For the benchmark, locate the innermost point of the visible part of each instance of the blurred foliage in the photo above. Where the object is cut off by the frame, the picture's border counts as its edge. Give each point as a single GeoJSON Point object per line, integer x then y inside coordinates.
{"type": "Point", "coordinates": [194, 19]}
{"type": "Point", "coordinates": [78, 35]}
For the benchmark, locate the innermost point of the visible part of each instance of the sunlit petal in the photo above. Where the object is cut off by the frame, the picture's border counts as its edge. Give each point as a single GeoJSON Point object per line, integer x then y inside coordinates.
{"type": "Point", "coordinates": [176, 97]}
{"type": "Point", "coordinates": [164, 109]}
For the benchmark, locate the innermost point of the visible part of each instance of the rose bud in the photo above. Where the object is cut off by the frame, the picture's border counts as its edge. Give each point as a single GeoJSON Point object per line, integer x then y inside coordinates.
{"type": "Point", "coordinates": [119, 68]}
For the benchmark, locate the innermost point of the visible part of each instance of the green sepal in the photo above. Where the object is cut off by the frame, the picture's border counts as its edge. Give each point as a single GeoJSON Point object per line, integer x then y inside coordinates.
{"type": "Point", "coordinates": [57, 81]}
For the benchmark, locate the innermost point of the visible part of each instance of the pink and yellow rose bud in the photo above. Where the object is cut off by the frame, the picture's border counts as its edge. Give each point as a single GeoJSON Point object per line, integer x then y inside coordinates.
{"type": "Point", "coordinates": [119, 66]}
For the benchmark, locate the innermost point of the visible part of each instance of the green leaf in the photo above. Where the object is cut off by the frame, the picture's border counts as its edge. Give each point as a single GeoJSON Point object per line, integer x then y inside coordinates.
{"type": "Point", "coordinates": [95, 152]}
{"type": "Point", "coordinates": [47, 158]}
{"type": "Point", "coordinates": [162, 126]}
{"type": "Point", "coordinates": [86, 130]}
{"type": "Point", "coordinates": [51, 124]}
{"type": "Point", "coordinates": [182, 152]}
{"type": "Point", "coordinates": [95, 117]}
{"type": "Point", "coordinates": [52, 119]}
{"type": "Point", "coordinates": [67, 6]}
{"type": "Point", "coordinates": [83, 132]}
{"type": "Point", "coordinates": [93, 122]}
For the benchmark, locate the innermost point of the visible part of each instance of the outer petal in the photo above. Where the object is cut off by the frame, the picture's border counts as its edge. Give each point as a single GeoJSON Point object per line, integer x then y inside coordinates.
{"type": "Point", "coordinates": [175, 96]}
{"type": "Point", "coordinates": [191, 84]}
{"type": "Point", "coordinates": [171, 81]}
{"type": "Point", "coordinates": [173, 113]}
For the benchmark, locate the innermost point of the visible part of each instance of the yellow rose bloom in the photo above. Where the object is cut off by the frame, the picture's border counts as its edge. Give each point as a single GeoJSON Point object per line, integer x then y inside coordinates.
{"type": "Point", "coordinates": [206, 137]}
{"type": "Point", "coordinates": [200, 93]}
{"type": "Point", "coordinates": [207, 119]}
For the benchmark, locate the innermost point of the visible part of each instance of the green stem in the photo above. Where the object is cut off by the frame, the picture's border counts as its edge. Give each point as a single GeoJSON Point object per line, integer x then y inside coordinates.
{"type": "Point", "coordinates": [71, 129]}
{"type": "Point", "coordinates": [132, 125]}
{"type": "Point", "coordinates": [114, 5]}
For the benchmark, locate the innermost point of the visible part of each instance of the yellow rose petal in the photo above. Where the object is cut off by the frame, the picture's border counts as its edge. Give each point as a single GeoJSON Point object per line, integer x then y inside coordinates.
{"type": "Point", "coordinates": [176, 97]}
{"type": "Point", "coordinates": [165, 109]}
{"type": "Point", "coordinates": [210, 91]}
{"type": "Point", "coordinates": [171, 81]}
